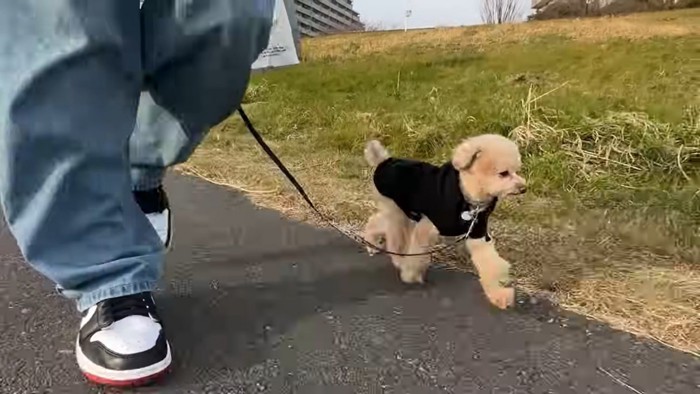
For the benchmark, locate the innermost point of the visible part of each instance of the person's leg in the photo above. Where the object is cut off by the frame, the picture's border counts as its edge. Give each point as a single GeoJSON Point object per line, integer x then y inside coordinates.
{"type": "Point", "coordinates": [197, 60]}
{"type": "Point", "coordinates": [71, 77]}
{"type": "Point", "coordinates": [157, 137]}
{"type": "Point", "coordinates": [158, 142]}
{"type": "Point", "coordinates": [71, 81]}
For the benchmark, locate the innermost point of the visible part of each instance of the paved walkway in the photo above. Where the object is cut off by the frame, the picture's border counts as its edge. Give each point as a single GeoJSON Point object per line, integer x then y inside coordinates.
{"type": "Point", "coordinates": [256, 304]}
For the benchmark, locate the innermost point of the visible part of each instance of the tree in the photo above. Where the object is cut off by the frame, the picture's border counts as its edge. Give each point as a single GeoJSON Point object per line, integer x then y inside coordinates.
{"type": "Point", "coordinates": [500, 11]}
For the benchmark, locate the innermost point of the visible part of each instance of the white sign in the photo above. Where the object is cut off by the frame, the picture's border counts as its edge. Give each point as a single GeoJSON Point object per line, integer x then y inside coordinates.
{"type": "Point", "coordinates": [281, 49]}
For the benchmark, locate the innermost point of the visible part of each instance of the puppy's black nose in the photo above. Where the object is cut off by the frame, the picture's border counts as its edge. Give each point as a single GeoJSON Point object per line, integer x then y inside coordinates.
{"type": "Point", "coordinates": [523, 189]}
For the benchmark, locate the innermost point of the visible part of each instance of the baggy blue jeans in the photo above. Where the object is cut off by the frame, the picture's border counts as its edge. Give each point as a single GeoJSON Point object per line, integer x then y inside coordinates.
{"type": "Point", "coordinates": [98, 98]}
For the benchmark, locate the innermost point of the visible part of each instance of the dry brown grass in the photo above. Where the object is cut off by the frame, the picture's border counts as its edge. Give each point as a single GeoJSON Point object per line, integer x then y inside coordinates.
{"type": "Point", "coordinates": [614, 265]}
{"type": "Point", "coordinates": [588, 270]}
{"type": "Point", "coordinates": [622, 141]}
{"type": "Point", "coordinates": [633, 27]}
{"type": "Point", "coordinates": [633, 289]}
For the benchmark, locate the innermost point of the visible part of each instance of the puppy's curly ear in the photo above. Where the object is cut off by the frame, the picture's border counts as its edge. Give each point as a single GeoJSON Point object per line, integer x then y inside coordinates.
{"type": "Point", "coordinates": [465, 155]}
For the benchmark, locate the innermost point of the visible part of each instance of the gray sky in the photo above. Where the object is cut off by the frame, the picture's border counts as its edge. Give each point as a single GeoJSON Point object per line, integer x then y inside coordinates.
{"type": "Point", "coordinates": [426, 13]}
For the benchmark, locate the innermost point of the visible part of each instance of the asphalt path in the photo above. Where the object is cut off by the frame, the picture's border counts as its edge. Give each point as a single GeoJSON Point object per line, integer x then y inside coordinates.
{"type": "Point", "coordinates": [254, 303]}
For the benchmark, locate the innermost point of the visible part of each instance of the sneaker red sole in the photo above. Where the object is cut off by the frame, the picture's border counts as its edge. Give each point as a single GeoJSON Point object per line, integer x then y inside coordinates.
{"type": "Point", "coordinates": [145, 381]}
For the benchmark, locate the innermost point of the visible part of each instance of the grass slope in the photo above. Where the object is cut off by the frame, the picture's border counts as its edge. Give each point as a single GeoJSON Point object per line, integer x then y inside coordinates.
{"type": "Point", "coordinates": [607, 112]}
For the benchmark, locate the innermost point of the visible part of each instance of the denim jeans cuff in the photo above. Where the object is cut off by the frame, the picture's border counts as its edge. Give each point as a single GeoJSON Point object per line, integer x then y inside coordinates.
{"type": "Point", "coordinates": [89, 299]}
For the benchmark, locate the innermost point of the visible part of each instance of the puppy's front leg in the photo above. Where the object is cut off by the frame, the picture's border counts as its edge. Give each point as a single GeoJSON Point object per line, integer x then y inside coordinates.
{"type": "Point", "coordinates": [493, 272]}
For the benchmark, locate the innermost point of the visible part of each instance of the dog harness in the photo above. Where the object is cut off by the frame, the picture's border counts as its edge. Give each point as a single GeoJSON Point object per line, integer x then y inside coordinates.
{"type": "Point", "coordinates": [422, 189]}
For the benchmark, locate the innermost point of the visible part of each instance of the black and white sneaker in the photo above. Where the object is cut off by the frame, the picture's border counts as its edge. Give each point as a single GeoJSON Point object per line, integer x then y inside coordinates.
{"type": "Point", "coordinates": [122, 343]}
{"type": "Point", "coordinates": [154, 203]}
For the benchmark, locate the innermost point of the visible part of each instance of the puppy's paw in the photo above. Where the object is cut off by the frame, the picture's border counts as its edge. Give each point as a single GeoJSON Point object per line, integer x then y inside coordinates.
{"type": "Point", "coordinates": [412, 277]}
{"type": "Point", "coordinates": [502, 297]}
{"type": "Point", "coordinates": [379, 243]}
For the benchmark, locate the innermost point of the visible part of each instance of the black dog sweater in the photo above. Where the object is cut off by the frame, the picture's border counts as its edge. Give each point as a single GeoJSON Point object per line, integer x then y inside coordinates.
{"type": "Point", "coordinates": [422, 189]}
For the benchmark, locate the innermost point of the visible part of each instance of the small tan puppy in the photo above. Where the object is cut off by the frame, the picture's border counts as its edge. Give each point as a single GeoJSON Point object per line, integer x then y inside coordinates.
{"type": "Point", "coordinates": [418, 203]}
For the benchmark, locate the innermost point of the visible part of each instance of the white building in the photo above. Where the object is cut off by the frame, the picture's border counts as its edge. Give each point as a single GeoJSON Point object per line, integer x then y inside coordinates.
{"type": "Point", "coordinates": [318, 17]}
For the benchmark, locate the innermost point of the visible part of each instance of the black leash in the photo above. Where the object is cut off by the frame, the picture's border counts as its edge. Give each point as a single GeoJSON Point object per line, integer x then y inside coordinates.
{"type": "Point", "coordinates": [328, 221]}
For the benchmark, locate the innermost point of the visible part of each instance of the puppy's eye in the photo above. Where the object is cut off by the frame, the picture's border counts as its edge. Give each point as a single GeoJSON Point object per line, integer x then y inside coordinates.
{"type": "Point", "coordinates": [503, 174]}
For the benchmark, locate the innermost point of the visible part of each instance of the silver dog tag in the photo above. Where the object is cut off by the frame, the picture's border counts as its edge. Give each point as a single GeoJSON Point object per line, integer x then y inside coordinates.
{"type": "Point", "coordinates": [467, 216]}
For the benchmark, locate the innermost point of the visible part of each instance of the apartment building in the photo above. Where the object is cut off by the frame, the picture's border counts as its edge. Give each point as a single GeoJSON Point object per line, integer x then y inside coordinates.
{"type": "Point", "coordinates": [318, 17]}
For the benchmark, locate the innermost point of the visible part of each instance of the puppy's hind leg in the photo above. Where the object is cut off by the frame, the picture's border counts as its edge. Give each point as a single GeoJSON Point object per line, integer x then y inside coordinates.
{"type": "Point", "coordinates": [423, 237]}
{"type": "Point", "coordinates": [375, 232]}
{"type": "Point", "coordinates": [397, 233]}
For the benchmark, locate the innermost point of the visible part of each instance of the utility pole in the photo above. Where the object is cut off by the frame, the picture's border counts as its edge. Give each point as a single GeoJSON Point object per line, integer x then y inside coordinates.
{"type": "Point", "coordinates": [407, 15]}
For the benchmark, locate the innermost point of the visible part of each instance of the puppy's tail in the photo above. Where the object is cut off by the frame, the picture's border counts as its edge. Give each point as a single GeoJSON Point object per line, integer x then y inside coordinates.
{"type": "Point", "coordinates": [375, 153]}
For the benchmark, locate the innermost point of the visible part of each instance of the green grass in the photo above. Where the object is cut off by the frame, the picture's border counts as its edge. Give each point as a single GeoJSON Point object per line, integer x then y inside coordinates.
{"type": "Point", "coordinates": [620, 129]}
{"type": "Point", "coordinates": [607, 115]}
